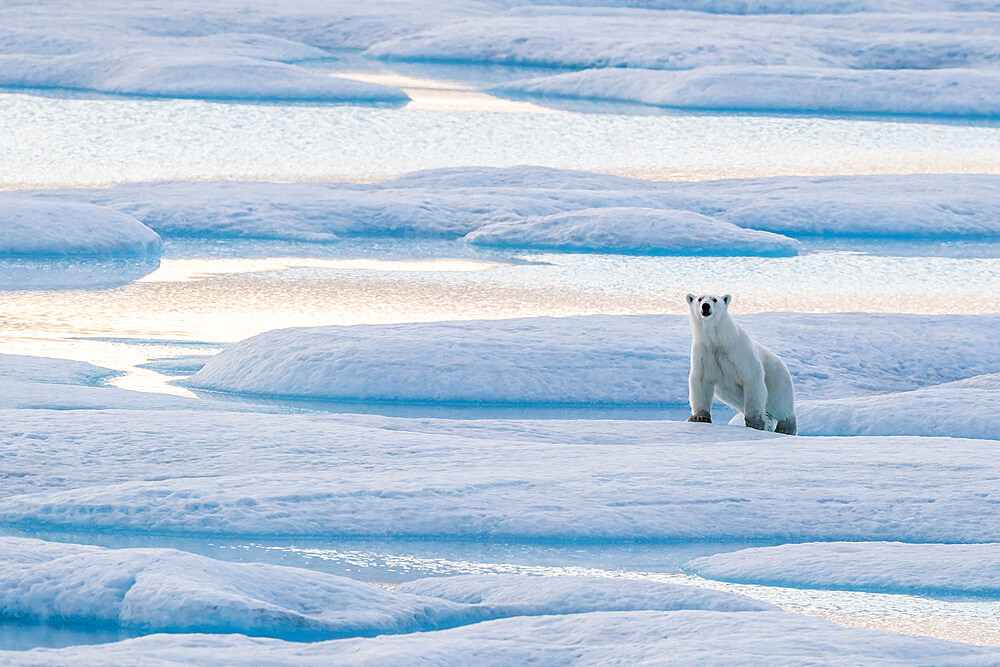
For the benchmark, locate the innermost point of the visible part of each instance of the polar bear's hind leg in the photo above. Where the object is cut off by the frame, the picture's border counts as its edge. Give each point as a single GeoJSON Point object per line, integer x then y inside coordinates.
{"type": "Point", "coordinates": [787, 426]}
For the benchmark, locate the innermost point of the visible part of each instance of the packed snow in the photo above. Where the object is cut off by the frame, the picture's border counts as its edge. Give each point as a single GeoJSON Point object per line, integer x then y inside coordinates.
{"type": "Point", "coordinates": [164, 590]}
{"type": "Point", "coordinates": [695, 637]}
{"type": "Point", "coordinates": [33, 227]}
{"type": "Point", "coordinates": [939, 92]}
{"type": "Point", "coordinates": [886, 567]}
{"type": "Point", "coordinates": [599, 359]}
{"type": "Point", "coordinates": [634, 230]}
{"type": "Point", "coordinates": [229, 473]}
{"type": "Point", "coordinates": [527, 206]}
{"type": "Point", "coordinates": [964, 408]}
{"type": "Point", "coordinates": [518, 595]}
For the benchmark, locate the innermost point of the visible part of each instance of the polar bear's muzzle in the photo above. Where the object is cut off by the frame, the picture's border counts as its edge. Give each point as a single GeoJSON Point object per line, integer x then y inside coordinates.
{"type": "Point", "coordinates": [706, 309]}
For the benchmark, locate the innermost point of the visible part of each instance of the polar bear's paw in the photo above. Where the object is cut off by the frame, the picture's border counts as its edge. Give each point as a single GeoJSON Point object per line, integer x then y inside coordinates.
{"type": "Point", "coordinates": [759, 423]}
{"type": "Point", "coordinates": [703, 419]}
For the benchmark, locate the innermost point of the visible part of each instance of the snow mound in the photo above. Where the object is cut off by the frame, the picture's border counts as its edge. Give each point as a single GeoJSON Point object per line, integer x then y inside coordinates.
{"type": "Point", "coordinates": [944, 92]}
{"type": "Point", "coordinates": [29, 227]}
{"type": "Point", "coordinates": [963, 409]}
{"type": "Point", "coordinates": [885, 567]}
{"type": "Point", "coordinates": [634, 230]}
{"type": "Point", "coordinates": [623, 360]}
{"type": "Point", "coordinates": [164, 590]}
{"type": "Point", "coordinates": [515, 595]}
{"type": "Point", "coordinates": [600, 638]}
{"type": "Point", "coordinates": [452, 203]}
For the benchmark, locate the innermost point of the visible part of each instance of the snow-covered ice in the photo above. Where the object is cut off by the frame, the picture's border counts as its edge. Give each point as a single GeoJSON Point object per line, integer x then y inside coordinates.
{"type": "Point", "coordinates": [964, 408]}
{"type": "Point", "coordinates": [634, 230]}
{"type": "Point", "coordinates": [515, 205]}
{"type": "Point", "coordinates": [33, 227]}
{"type": "Point", "coordinates": [696, 637]}
{"type": "Point", "coordinates": [941, 92]}
{"type": "Point", "coordinates": [887, 567]}
{"type": "Point", "coordinates": [229, 473]}
{"type": "Point", "coordinates": [596, 359]}
{"type": "Point", "coordinates": [165, 590]}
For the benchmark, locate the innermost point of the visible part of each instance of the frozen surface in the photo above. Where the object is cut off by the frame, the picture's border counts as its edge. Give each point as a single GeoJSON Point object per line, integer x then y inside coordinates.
{"type": "Point", "coordinates": [32, 227]}
{"type": "Point", "coordinates": [596, 359]}
{"type": "Point", "coordinates": [944, 92]}
{"type": "Point", "coordinates": [888, 567]}
{"type": "Point", "coordinates": [634, 230]}
{"type": "Point", "coordinates": [515, 204]}
{"type": "Point", "coordinates": [518, 595]}
{"type": "Point", "coordinates": [216, 473]}
{"type": "Point", "coordinates": [765, 638]}
{"type": "Point", "coordinates": [964, 408]}
{"type": "Point", "coordinates": [20, 368]}
{"type": "Point", "coordinates": [174, 591]}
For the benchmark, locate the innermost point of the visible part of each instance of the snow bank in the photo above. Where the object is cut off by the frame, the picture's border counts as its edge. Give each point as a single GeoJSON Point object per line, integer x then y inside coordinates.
{"type": "Point", "coordinates": [964, 409]}
{"type": "Point", "coordinates": [30, 227]}
{"type": "Point", "coordinates": [689, 637]}
{"type": "Point", "coordinates": [167, 590]}
{"type": "Point", "coordinates": [634, 230]}
{"type": "Point", "coordinates": [515, 595]}
{"type": "Point", "coordinates": [885, 567]}
{"type": "Point", "coordinates": [491, 203]}
{"type": "Point", "coordinates": [629, 360]}
{"type": "Point", "coordinates": [943, 92]}
{"type": "Point", "coordinates": [225, 473]}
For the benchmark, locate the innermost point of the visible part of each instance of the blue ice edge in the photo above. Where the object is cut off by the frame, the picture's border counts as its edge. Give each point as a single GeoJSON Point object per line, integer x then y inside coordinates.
{"type": "Point", "coordinates": [951, 594]}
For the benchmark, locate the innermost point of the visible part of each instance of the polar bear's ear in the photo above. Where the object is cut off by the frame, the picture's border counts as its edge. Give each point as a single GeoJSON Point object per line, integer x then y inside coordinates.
{"type": "Point", "coordinates": [727, 298]}
{"type": "Point", "coordinates": [690, 298]}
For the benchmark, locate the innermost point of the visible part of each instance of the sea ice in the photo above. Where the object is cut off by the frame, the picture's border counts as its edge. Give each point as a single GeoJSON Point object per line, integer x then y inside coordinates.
{"type": "Point", "coordinates": [885, 567]}
{"type": "Point", "coordinates": [33, 227]}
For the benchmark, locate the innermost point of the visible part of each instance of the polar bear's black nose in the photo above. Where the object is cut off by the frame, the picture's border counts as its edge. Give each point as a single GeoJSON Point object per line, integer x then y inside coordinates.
{"type": "Point", "coordinates": [706, 310]}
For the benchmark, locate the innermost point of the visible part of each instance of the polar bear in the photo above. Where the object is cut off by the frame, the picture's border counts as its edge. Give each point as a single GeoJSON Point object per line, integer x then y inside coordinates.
{"type": "Point", "coordinates": [726, 363]}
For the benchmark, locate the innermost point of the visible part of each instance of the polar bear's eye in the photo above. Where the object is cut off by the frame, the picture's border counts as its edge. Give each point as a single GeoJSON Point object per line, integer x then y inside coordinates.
{"type": "Point", "coordinates": [714, 300]}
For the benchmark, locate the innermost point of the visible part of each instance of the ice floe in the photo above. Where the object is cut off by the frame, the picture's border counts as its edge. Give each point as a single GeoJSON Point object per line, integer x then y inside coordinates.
{"type": "Point", "coordinates": [634, 230]}
{"type": "Point", "coordinates": [696, 637]}
{"type": "Point", "coordinates": [189, 472]}
{"type": "Point", "coordinates": [514, 203]}
{"type": "Point", "coordinates": [886, 567]}
{"type": "Point", "coordinates": [31, 227]}
{"type": "Point", "coordinates": [173, 591]}
{"type": "Point", "coordinates": [941, 92]}
{"type": "Point", "coordinates": [595, 359]}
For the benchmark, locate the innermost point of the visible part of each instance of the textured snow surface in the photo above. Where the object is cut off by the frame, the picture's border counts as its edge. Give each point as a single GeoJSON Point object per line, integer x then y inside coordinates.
{"type": "Point", "coordinates": [165, 590]}
{"type": "Point", "coordinates": [15, 367]}
{"type": "Point", "coordinates": [169, 590]}
{"type": "Point", "coordinates": [636, 230]}
{"type": "Point", "coordinates": [528, 206]}
{"type": "Point", "coordinates": [596, 359]}
{"type": "Point", "coordinates": [600, 638]}
{"type": "Point", "coordinates": [517, 595]}
{"type": "Point", "coordinates": [209, 473]}
{"type": "Point", "coordinates": [888, 567]}
{"type": "Point", "coordinates": [30, 227]}
{"type": "Point", "coordinates": [965, 408]}
{"type": "Point", "coordinates": [944, 92]}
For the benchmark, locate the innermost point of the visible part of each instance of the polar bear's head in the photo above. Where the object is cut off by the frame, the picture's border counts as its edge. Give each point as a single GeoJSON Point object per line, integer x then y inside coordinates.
{"type": "Point", "coordinates": [708, 307]}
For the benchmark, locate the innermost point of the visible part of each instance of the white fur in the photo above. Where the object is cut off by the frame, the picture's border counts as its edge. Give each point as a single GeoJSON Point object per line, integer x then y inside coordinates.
{"type": "Point", "coordinates": [745, 375]}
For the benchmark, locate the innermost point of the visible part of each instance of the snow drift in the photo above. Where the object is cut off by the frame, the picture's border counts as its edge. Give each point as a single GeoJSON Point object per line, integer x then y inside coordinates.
{"type": "Point", "coordinates": [885, 567]}
{"type": "Point", "coordinates": [31, 227]}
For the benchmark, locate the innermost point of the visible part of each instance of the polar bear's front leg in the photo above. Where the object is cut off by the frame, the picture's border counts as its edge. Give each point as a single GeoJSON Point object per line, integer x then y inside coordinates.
{"type": "Point", "coordinates": [700, 397]}
{"type": "Point", "coordinates": [755, 403]}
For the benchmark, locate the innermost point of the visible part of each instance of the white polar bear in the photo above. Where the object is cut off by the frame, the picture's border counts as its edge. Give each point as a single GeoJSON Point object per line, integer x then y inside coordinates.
{"type": "Point", "coordinates": [726, 363]}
